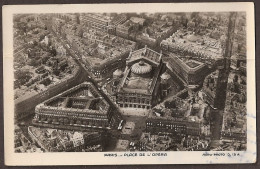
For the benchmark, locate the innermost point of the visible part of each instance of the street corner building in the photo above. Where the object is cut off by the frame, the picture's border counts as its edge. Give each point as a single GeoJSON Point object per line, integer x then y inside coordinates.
{"type": "Point", "coordinates": [190, 72]}
{"type": "Point", "coordinates": [140, 84]}
{"type": "Point", "coordinates": [80, 107]}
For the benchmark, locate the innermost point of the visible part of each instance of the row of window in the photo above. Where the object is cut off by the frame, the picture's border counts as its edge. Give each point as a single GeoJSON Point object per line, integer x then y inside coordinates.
{"type": "Point", "coordinates": [166, 125]}
{"type": "Point", "coordinates": [134, 100]}
{"type": "Point", "coordinates": [73, 114]}
{"type": "Point", "coordinates": [135, 106]}
{"type": "Point", "coordinates": [71, 119]}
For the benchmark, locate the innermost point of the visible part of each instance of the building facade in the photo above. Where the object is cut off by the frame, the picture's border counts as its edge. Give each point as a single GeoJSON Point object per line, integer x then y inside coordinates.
{"type": "Point", "coordinates": [123, 30]}
{"type": "Point", "coordinates": [210, 87]}
{"type": "Point", "coordinates": [156, 124]}
{"type": "Point", "coordinates": [190, 71]}
{"type": "Point", "coordinates": [96, 21]}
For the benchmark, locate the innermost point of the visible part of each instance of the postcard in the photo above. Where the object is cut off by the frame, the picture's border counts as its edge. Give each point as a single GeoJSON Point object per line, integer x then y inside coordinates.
{"type": "Point", "coordinates": [146, 83]}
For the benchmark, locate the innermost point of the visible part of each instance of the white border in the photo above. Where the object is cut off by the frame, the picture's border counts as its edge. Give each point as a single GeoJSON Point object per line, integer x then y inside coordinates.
{"type": "Point", "coordinates": [94, 158]}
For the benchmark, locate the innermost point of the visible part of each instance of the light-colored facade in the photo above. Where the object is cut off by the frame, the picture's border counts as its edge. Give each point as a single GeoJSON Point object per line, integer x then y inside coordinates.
{"type": "Point", "coordinates": [155, 124]}
{"type": "Point", "coordinates": [190, 71]}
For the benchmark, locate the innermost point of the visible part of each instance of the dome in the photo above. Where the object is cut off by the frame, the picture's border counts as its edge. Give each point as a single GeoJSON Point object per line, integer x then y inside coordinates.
{"type": "Point", "coordinates": [192, 38]}
{"type": "Point", "coordinates": [118, 73]}
{"type": "Point", "coordinates": [165, 76]}
{"type": "Point", "coordinates": [141, 68]}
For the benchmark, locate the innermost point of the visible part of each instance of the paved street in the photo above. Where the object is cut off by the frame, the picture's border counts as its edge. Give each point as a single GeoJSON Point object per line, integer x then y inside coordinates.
{"type": "Point", "coordinates": [216, 127]}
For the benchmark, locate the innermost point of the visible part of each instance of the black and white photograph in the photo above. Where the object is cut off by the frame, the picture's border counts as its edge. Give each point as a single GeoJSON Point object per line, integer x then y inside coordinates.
{"type": "Point", "coordinates": [128, 83]}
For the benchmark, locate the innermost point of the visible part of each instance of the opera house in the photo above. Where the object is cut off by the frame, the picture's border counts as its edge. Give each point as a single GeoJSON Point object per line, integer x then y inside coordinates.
{"type": "Point", "coordinates": [140, 84]}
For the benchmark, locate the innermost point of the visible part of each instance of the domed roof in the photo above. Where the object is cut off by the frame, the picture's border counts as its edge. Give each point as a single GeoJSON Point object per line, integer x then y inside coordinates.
{"type": "Point", "coordinates": [165, 76]}
{"type": "Point", "coordinates": [118, 72]}
{"type": "Point", "coordinates": [192, 38]}
{"type": "Point", "coordinates": [141, 68]}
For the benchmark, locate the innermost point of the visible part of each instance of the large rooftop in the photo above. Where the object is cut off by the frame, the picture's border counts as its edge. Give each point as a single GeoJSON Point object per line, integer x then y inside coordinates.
{"type": "Point", "coordinates": [137, 20]}
{"type": "Point", "coordinates": [192, 43]}
{"type": "Point", "coordinates": [192, 64]}
{"type": "Point", "coordinates": [141, 74]}
{"type": "Point", "coordinates": [84, 98]}
{"type": "Point", "coordinates": [136, 84]}
{"type": "Point", "coordinates": [98, 16]}
{"type": "Point", "coordinates": [189, 65]}
{"type": "Point", "coordinates": [99, 48]}
{"type": "Point", "coordinates": [146, 53]}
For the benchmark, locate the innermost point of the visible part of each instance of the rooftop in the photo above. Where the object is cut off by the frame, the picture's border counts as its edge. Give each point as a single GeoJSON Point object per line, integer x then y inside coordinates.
{"type": "Point", "coordinates": [146, 53]}
{"type": "Point", "coordinates": [84, 97]}
{"type": "Point", "coordinates": [99, 16]}
{"type": "Point", "coordinates": [141, 68]}
{"type": "Point", "coordinates": [141, 74]}
{"type": "Point", "coordinates": [126, 24]}
{"type": "Point", "coordinates": [138, 83]}
{"type": "Point", "coordinates": [192, 43]}
{"type": "Point", "coordinates": [157, 29]}
{"type": "Point", "coordinates": [137, 20]}
{"type": "Point", "coordinates": [188, 64]}
{"type": "Point", "coordinates": [168, 117]}
{"type": "Point", "coordinates": [192, 64]}
{"type": "Point", "coordinates": [99, 48]}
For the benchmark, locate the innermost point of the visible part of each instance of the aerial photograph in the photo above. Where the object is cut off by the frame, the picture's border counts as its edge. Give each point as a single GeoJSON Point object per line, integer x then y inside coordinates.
{"type": "Point", "coordinates": [130, 82]}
